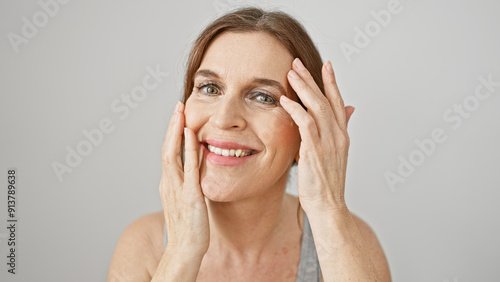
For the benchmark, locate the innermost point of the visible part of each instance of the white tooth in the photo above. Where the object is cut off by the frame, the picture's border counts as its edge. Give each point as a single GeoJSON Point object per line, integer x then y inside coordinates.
{"type": "Point", "coordinates": [225, 152]}
{"type": "Point", "coordinates": [231, 152]}
{"type": "Point", "coordinates": [210, 148]}
{"type": "Point", "coordinates": [238, 152]}
{"type": "Point", "coordinates": [218, 151]}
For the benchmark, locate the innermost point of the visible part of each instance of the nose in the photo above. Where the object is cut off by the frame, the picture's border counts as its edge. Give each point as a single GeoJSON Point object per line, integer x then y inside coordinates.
{"type": "Point", "coordinates": [228, 113]}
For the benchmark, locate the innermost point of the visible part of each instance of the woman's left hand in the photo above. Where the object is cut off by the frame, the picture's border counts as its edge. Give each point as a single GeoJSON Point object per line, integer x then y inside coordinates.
{"type": "Point", "coordinates": [324, 139]}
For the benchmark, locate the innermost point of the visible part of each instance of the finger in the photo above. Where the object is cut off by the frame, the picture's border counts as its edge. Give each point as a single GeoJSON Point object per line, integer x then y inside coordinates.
{"type": "Point", "coordinates": [333, 95]}
{"type": "Point", "coordinates": [349, 110]}
{"type": "Point", "coordinates": [191, 166]}
{"type": "Point", "coordinates": [304, 73]}
{"type": "Point", "coordinates": [307, 126]}
{"type": "Point", "coordinates": [171, 147]}
{"type": "Point", "coordinates": [317, 106]}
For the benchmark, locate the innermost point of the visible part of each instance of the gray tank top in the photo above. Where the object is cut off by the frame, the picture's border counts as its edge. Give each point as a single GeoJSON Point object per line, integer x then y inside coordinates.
{"type": "Point", "coordinates": [309, 269]}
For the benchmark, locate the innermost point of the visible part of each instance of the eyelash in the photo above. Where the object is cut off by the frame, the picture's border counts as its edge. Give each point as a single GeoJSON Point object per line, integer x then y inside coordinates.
{"type": "Point", "coordinates": [261, 94]}
{"type": "Point", "coordinates": [208, 84]}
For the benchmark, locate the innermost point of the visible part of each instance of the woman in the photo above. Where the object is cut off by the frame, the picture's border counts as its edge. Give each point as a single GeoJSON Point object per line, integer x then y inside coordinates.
{"type": "Point", "coordinates": [257, 100]}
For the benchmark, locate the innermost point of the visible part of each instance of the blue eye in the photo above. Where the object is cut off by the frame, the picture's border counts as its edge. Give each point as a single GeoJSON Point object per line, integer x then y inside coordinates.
{"type": "Point", "coordinates": [265, 98]}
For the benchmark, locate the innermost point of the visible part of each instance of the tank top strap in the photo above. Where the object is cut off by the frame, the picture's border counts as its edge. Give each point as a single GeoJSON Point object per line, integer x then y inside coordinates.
{"type": "Point", "coordinates": [165, 236]}
{"type": "Point", "coordinates": [309, 268]}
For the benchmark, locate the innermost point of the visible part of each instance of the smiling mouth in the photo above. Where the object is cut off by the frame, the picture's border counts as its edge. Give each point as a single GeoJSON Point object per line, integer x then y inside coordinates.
{"type": "Point", "coordinates": [239, 153]}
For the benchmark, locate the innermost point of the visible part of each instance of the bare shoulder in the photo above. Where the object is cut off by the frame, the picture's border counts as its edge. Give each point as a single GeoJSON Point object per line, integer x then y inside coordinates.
{"type": "Point", "coordinates": [373, 245]}
{"type": "Point", "coordinates": [138, 250]}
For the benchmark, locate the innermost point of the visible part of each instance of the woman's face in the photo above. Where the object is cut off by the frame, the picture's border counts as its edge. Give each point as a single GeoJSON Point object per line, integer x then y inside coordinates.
{"type": "Point", "coordinates": [234, 110]}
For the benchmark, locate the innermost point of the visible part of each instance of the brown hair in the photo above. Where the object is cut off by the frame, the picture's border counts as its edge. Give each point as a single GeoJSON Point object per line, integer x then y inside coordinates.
{"type": "Point", "coordinates": [250, 19]}
{"type": "Point", "coordinates": [279, 24]}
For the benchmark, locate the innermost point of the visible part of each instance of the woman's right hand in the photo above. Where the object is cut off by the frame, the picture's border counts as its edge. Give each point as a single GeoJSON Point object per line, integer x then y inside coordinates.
{"type": "Point", "coordinates": [183, 202]}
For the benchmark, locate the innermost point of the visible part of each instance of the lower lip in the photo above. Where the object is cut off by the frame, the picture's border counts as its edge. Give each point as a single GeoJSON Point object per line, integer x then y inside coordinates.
{"type": "Point", "coordinates": [225, 161]}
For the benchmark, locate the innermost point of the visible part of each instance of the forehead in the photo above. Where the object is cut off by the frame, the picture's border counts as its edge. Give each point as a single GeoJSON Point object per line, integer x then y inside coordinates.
{"type": "Point", "coordinates": [248, 54]}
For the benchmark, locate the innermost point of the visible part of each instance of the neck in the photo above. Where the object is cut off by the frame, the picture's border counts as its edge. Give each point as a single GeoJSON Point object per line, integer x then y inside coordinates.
{"type": "Point", "coordinates": [244, 229]}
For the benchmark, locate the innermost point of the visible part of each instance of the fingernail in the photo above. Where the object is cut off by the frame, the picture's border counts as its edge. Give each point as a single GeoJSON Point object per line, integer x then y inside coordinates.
{"type": "Point", "coordinates": [185, 131]}
{"type": "Point", "coordinates": [329, 67]}
{"type": "Point", "coordinates": [284, 98]}
{"type": "Point", "coordinates": [299, 64]}
{"type": "Point", "coordinates": [178, 107]}
{"type": "Point", "coordinates": [293, 74]}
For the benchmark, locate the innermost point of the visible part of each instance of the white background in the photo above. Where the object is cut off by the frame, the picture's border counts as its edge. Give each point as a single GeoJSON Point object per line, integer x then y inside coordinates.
{"type": "Point", "coordinates": [440, 224]}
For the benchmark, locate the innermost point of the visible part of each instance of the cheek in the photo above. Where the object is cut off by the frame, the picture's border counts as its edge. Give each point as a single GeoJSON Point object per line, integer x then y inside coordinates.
{"type": "Point", "coordinates": [283, 134]}
{"type": "Point", "coordinates": [194, 115]}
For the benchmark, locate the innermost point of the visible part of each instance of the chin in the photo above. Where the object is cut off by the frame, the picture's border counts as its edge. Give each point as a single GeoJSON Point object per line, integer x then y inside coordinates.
{"type": "Point", "coordinates": [218, 192]}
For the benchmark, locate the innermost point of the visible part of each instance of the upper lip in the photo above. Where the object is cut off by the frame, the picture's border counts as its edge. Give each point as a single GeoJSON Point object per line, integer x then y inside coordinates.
{"type": "Point", "coordinates": [227, 144]}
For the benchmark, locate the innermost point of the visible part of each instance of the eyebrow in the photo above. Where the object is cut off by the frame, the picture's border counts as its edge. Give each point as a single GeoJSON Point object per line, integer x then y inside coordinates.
{"type": "Point", "coordinates": [259, 80]}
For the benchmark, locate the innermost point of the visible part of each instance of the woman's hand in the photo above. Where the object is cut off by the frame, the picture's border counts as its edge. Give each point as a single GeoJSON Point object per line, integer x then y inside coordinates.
{"type": "Point", "coordinates": [324, 139]}
{"type": "Point", "coordinates": [184, 206]}
{"type": "Point", "coordinates": [183, 202]}
{"type": "Point", "coordinates": [322, 167]}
